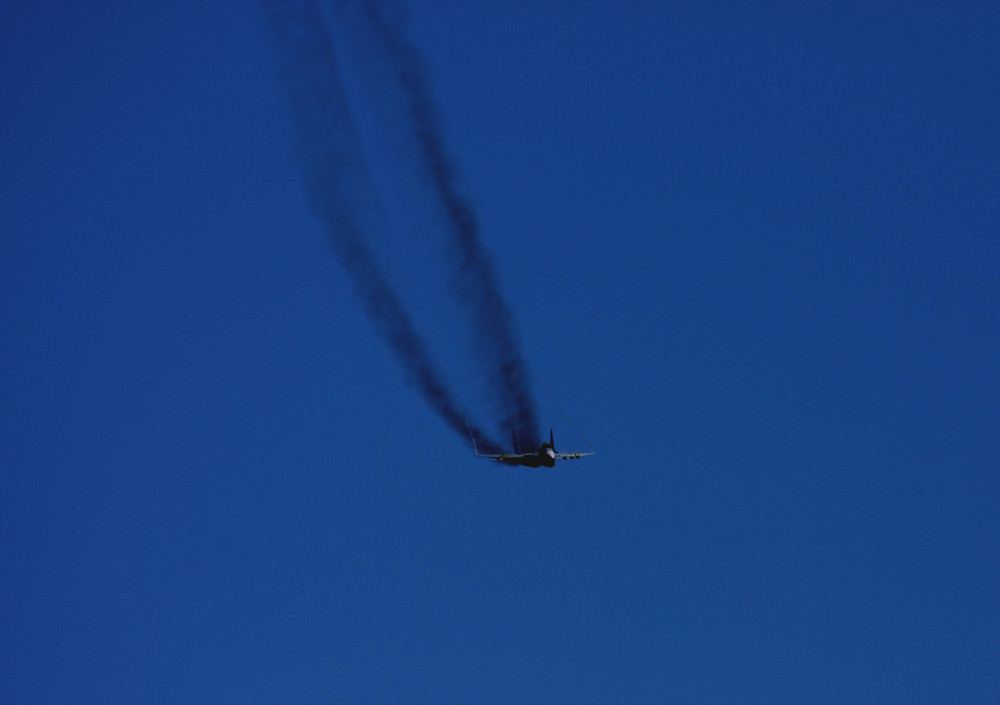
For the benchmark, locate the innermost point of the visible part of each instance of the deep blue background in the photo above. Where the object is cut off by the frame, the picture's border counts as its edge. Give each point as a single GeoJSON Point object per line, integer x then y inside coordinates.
{"type": "Point", "coordinates": [753, 254]}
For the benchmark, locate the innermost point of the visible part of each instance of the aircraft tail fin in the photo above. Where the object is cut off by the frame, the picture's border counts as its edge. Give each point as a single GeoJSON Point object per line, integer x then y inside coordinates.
{"type": "Point", "coordinates": [514, 434]}
{"type": "Point", "coordinates": [475, 447]}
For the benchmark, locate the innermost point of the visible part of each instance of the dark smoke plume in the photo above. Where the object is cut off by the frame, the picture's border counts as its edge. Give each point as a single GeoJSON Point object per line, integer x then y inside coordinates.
{"type": "Point", "coordinates": [381, 42]}
{"type": "Point", "coordinates": [337, 182]}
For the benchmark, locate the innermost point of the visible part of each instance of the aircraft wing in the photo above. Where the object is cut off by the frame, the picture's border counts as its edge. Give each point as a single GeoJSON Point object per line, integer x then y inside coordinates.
{"type": "Point", "coordinates": [507, 456]}
{"type": "Point", "coordinates": [572, 456]}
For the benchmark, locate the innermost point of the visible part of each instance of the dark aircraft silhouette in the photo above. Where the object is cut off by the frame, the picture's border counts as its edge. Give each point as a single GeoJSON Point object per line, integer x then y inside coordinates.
{"type": "Point", "coordinates": [546, 454]}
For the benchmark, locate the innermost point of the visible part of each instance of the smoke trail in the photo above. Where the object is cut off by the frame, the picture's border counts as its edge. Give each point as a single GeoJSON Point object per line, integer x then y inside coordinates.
{"type": "Point", "coordinates": [337, 183]}
{"type": "Point", "coordinates": [475, 281]}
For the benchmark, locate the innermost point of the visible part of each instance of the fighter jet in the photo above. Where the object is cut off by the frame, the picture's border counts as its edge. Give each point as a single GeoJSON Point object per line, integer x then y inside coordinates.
{"type": "Point", "coordinates": [546, 454]}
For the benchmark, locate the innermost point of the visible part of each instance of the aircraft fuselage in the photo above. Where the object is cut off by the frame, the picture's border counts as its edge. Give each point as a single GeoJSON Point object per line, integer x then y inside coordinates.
{"type": "Point", "coordinates": [546, 457]}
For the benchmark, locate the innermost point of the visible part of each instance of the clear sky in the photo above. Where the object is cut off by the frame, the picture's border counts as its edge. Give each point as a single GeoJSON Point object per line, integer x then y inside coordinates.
{"type": "Point", "coordinates": [752, 252]}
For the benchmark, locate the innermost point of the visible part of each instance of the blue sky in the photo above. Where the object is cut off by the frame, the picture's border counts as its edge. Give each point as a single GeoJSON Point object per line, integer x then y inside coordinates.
{"type": "Point", "coordinates": [752, 252]}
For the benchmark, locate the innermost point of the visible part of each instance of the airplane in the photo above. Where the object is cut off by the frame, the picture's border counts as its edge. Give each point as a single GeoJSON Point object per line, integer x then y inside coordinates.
{"type": "Point", "coordinates": [546, 454]}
